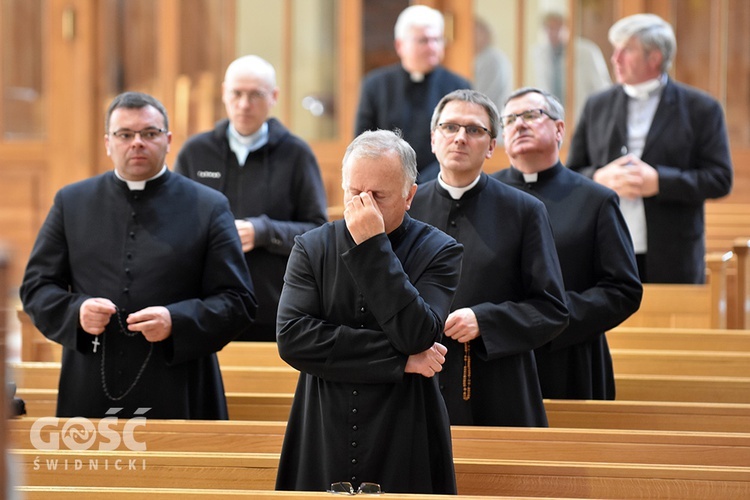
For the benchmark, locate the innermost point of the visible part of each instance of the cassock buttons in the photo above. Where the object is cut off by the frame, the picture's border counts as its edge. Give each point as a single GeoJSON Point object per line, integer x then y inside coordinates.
{"type": "Point", "coordinates": [354, 444]}
{"type": "Point", "coordinates": [362, 309]}
{"type": "Point", "coordinates": [354, 461]}
{"type": "Point", "coordinates": [453, 223]}
{"type": "Point", "coordinates": [354, 427]}
{"type": "Point", "coordinates": [354, 410]}
{"type": "Point", "coordinates": [355, 393]}
{"type": "Point", "coordinates": [132, 235]}
{"type": "Point", "coordinates": [126, 290]}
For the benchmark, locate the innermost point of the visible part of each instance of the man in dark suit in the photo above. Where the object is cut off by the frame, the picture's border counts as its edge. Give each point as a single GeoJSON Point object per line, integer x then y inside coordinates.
{"type": "Point", "coordinates": [403, 95]}
{"type": "Point", "coordinates": [661, 145]}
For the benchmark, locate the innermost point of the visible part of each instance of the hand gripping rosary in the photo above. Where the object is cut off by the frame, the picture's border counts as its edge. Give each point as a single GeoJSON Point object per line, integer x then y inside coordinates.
{"type": "Point", "coordinates": [127, 333]}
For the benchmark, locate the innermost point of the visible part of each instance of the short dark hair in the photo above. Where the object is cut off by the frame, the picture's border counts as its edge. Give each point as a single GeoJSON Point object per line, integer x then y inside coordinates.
{"type": "Point", "coordinates": [474, 97]}
{"type": "Point", "coordinates": [135, 100]}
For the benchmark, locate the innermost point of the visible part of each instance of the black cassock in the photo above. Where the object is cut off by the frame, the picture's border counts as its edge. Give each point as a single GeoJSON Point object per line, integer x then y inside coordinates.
{"type": "Point", "coordinates": [389, 99]}
{"type": "Point", "coordinates": [511, 279]}
{"type": "Point", "coordinates": [349, 317]}
{"type": "Point", "coordinates": [173, 244]}
{"type": "Point", "coordinates": [602, 287]}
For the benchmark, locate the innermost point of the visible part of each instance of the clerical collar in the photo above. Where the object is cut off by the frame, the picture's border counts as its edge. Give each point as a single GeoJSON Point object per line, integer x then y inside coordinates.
{"type": "Point", "coordinates": [416, 76]}
{"type": "Point", "coordinates": [140, 185]}
{"type": "Point", "coordinates": [457, 192]}
{"type": "Point", "coordinates": [644, 90]}
{"type": "Point", "coordinates": [249, 143]}
{"type": "Point", "coordinates": [530, 177]}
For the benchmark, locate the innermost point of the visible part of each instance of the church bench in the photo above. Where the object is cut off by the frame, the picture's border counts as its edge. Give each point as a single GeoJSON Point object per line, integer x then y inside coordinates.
{"type": "Point", "coordinates": [45, 375]}
{"type": "Point", "coordinates": [686, 305]}
{"type": "Point", "coordinates": [495, 443]}
{"type": "Point", "coordinates": [620, 414]}
{"type": "Point", "coordinates": [648, 415]}
{"type": "Point", "coordinates": [681, 362]}
{"type": "Point", "coordinates": [96, 493]}
{"type": "Point", "coordinates": [724, 223]}
{"type": "Point", "coordinates": [639, 387]}
{"type": "Point", "coordinates": [688, 339]}
{"type": "Point", "coordinates": [741, 282]}
{"type": "Point", "coordinates": [634, 387]}
{"type": "Point", "coordinates": [257, 471]}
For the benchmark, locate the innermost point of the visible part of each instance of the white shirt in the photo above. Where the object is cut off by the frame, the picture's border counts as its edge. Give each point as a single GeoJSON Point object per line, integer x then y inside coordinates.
{"type": "Point", "coordinates": [644, 99]}
{"type": "Point", "coordinates": [243, 145]}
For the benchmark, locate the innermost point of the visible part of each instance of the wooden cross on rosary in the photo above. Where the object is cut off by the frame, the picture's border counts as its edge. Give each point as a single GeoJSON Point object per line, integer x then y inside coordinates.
{"type": "Point", "coordinates": [96, 343]}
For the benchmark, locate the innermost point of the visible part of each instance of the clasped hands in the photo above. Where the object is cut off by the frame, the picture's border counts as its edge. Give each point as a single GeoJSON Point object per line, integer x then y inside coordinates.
{"type": "Point", "coordinates": [154, 323]}
{"type": "Point", "coordinates": [629, 177]}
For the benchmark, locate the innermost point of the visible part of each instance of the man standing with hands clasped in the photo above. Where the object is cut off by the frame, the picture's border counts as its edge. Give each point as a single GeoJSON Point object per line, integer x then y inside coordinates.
{"type": "Point", "coordinates": [139, 274]}
{"type": "Point", "coordinates": [661, 145]}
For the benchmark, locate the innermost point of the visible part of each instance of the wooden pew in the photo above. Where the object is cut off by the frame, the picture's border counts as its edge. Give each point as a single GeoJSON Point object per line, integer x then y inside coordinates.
{"type": "Point", "coordinates": [45, 375]}
{"type": "Point", "coordinates": [683, 388]}
{"type": "Point", "coordinates": [648, 415]}
{"type": "Point", "coordinates": [488, 461]}
{"type": "Point", "coordinates": [620, 414]}
{"type": "Point", "coordinates": [499, 443]}
{"type": "Point", "coordinates": [94, 493]}
{"type": "Point", "coordinates": [742, 283]}
{"type": "Point", "coordinates": [681, 362]}
{"type": "Point", "coordinates": [724, 223]}
{"type": "Point", "coordinates": [685, 339]}
{"type": "Point", "coordinates": [634, 387]}
{"type": "Point", "coordinates": [687, 306]}
{"type": "Point", "coordinates": [474, 477]}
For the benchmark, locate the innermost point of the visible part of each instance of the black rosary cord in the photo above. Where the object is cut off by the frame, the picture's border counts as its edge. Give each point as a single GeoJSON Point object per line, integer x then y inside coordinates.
{"type": "Point", "coordinates": [104, 351]}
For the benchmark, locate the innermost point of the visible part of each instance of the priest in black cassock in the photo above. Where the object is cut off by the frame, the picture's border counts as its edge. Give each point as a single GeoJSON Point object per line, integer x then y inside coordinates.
{"type": "Point", "coordinates": [139, 274]}
{"type": "Point", "coordinates": [602, 287]}
{"type": "Point", "coordinates": [403, 95]}
{"type": "Point", "coordinates": [361, 314]}
{"type": "Point", "coordinates": [510, 299]}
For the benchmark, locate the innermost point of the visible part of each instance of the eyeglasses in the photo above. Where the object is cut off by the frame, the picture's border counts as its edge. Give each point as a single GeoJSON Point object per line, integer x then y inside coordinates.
{"type": "Point", "coordinates": [528, 116]}
{"type": "Point", "coordinates": [451, 129]}
{"type": "Point", "coordinates": [347, 488]}
{"type": "Point", "coordinates": [252, 95]}
{"type": "Point", "coordinates": [426, 40]}
{"type": "Point", "coordinates": [147, 134]}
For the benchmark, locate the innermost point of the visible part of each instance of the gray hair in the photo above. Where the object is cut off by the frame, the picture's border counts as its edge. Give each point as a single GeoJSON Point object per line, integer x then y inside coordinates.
{"type": "Point", "coordinates": [652, 31]}
{"type": "Point", "coordinates": [554, 107]}
{"type": "Point", "coordinates": [378, 143]}
{"type": "Point", "coordinates": [472, 96]}
{"type": "Point", "coordinates": [417, 15]}
{"type": "Point", "coordinates": [254, 65]}
{"type": "Point", "coordinates": [135, 100]}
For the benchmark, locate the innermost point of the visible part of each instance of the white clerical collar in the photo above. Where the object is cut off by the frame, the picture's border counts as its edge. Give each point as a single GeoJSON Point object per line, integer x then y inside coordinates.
{"type": "Point", "coordinates": [140, 185]}
{"type": "Point", "coordinates": [530, 177]}
{"type": "Point", "coordinates": [250, 142]}
{"type": "Point", "coordinates": [643, 90]}
{"type": "Point", "coordinates": [456, 192]}
{"type": "Point", "coordinates": [416, 76]}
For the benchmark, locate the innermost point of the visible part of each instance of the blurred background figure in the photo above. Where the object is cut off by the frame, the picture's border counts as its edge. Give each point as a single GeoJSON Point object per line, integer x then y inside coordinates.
{"type": "Point", "coordinates": [549, 61]}
{"type": "Point", "coordinates": [493, 72]}
{"type": "Point", "coordinates": [404, 94]}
